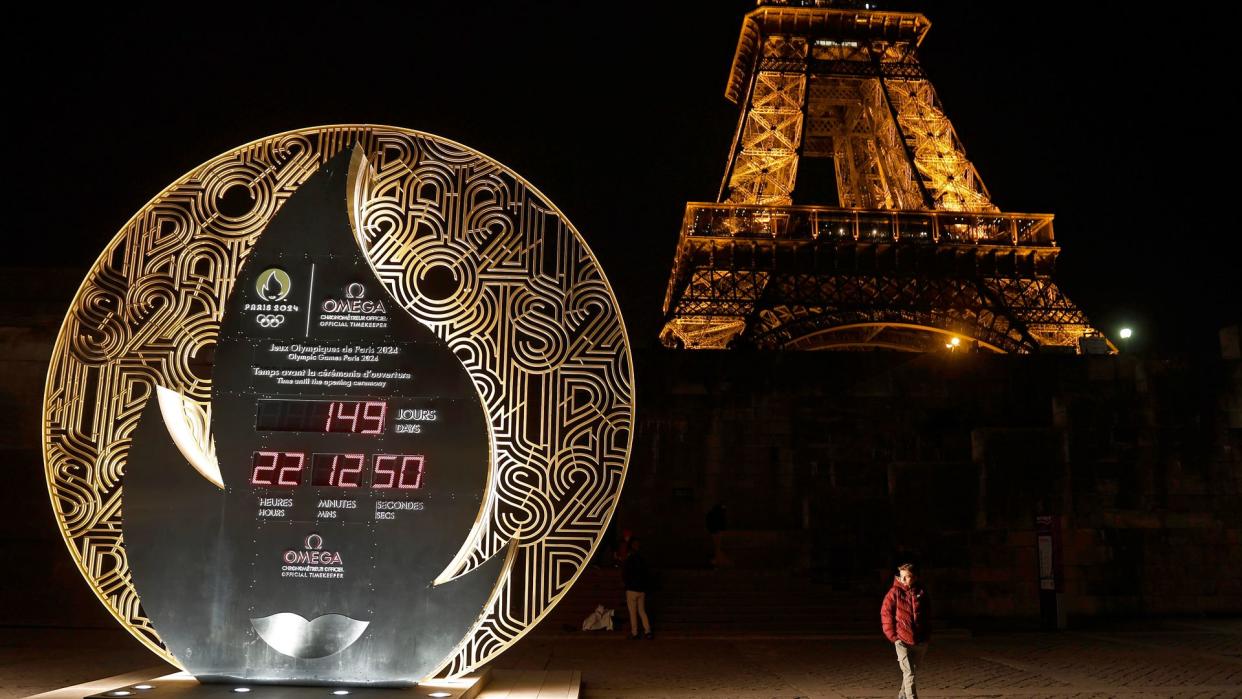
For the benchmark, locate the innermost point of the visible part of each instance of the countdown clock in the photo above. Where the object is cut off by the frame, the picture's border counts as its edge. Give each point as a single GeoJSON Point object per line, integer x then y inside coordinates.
{"type": "Point", "coordinates": [367, 430]}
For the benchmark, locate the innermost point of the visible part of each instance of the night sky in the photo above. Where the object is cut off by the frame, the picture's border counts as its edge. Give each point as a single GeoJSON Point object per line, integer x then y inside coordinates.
{"type": "Point", "coordinates": [1116, 119]}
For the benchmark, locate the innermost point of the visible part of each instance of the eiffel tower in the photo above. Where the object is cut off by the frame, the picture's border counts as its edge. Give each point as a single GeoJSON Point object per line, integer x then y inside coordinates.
{"type": "Point", "coordinates": [849, 216]}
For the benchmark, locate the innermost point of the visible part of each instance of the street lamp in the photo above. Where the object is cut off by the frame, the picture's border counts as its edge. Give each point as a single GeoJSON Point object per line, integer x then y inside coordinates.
{"type": "Point", "coordinates": [1125, 334]}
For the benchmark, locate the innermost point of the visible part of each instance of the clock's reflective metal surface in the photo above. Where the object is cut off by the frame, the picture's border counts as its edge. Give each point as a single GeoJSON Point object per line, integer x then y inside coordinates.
{"type": "Point", "coordinates": [458, 340]}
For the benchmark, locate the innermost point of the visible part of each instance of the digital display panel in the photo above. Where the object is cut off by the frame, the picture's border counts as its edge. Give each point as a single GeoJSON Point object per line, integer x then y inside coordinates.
{"type": "Point", "coordinates": [337, 470]}
{"type": "Point", "coordinates": [331, 416]}
{"type": "Point", "coordinates": [387, 471]}
{"type": "Point", "coordinates": [282, 469]}
{"type": "Point", "coordinates": [400, 471]}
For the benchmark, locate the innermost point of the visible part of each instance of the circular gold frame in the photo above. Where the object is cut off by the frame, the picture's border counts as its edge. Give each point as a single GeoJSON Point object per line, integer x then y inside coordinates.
{"type": "Point", "coordinates": [533, 319]}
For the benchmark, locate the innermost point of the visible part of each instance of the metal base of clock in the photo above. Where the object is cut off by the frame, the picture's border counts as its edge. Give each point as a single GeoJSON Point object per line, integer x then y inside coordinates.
{"type": "Point", "coordinates": [486, 684]}
{"type": "Point", "coordinates": [182, 685]}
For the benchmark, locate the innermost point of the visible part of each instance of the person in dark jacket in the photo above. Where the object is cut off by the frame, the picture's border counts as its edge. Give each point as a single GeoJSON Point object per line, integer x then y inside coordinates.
{"type": "Point", "coordinates": [905, 619]}
{"type": "Point", "coordinates": [637, 579]}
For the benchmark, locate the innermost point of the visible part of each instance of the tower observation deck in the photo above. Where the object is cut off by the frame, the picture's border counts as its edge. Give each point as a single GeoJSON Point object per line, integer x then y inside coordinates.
{"type": "Point", "coordinates": [849, 216]}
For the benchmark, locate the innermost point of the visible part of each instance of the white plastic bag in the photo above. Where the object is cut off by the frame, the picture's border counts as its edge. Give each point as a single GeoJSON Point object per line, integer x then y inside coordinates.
{"type": "Point", "coordinates": [598, 620]}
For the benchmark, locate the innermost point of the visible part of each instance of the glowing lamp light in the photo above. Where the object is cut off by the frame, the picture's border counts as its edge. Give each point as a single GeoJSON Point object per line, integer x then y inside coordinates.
{"type": "Point", "coordinates": [119, 693]}
{"type": "Point", "coordinates": [142, 686]}
{"type": "Point", "coordinates": [439, 694]}
{"type": "Point", "coordinates": [241, 690]}
{"type": "Point", "coordinates": [341, 692]}
{"type": "Point", "coordinates": [1126, 333]}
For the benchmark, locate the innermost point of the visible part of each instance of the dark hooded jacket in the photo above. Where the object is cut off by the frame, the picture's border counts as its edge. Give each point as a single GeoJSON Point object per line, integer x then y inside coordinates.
{"type": "Point", "coordinates": [905, 614]}
{"type": "Point", "coordinates": [634, 572]}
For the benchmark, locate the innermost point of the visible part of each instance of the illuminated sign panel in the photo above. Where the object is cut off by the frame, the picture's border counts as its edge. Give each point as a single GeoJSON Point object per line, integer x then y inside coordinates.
{"type": "Point", "coordinates": [329, 473]}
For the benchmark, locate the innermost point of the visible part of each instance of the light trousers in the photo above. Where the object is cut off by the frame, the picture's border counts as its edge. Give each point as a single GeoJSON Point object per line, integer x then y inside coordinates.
{"type": "Point", "coordinates": [637, 602]}
{"type": "Point", "coordinates": [910, 659]}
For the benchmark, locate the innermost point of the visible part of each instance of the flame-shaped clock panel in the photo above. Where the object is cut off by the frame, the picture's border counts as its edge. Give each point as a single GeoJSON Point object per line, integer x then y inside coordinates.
{"type": "Point", "coordinates": [354, 453]}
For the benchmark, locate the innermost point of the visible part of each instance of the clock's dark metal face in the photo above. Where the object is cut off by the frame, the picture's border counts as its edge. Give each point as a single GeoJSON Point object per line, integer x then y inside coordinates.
{"type": "Point", "coordinates": [353, 451]}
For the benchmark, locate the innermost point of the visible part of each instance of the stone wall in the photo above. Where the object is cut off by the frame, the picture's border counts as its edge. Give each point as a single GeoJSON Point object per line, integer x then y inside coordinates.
{"type": "Point", "coordinates": [845, 464]}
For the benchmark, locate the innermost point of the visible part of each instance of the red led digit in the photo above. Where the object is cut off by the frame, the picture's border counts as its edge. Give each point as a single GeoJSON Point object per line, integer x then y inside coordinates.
{"type": "Point", "coordinates": [295, 468]}
{"type": "Point", "coordinates": [339, 420]}
{"type": "Point", "coordinates": [275, 468]}
{"type": "Point", "coordinates": [343, 478]}
{"type": "Point", "coordinates": [259, 457]}
{"type": "Point", "coordinates": [352, 417]}
{"type": "Point", "coordinates": [373, 413]}
{"type": "Point", "coordinates": [385, 465]}
{"type": "Point", "coordinates": [343, 416]}
{"type": "Point", "coordinates": [411, 466]}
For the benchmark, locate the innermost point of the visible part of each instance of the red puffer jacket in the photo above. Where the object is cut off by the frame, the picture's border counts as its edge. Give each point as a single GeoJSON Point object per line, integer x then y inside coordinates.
{"type": "Point", "coordinates": [905, 614]}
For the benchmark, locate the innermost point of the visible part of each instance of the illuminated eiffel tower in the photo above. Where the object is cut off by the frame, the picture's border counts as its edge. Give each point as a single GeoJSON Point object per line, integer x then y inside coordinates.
{"type": "Point", "coordinates": [849, 216]}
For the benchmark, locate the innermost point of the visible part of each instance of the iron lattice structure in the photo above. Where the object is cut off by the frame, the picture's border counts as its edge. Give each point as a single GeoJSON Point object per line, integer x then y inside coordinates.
{"type": "Point", "coordinates": [913, 255]}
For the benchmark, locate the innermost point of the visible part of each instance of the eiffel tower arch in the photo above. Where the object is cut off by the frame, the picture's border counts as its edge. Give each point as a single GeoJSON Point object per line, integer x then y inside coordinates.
{"type": "Point", "coordinates": [849, 216]}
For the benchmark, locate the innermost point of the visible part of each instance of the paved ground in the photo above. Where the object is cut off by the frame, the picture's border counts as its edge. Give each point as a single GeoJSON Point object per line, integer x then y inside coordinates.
{"type": "Point", "coordinates": [40, 660]}
{"type": "Point", "coordinates": [1172, 659]}
{"type": "Point", "coordinates": [1181, 660]}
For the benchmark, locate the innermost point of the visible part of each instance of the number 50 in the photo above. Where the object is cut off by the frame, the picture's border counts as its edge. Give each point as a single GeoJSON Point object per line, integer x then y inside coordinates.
{"type": "Point", "coordinates": [400, 471]}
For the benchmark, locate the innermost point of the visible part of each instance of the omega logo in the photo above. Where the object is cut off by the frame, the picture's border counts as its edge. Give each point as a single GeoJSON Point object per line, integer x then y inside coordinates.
{"type": "Point", "coordinates": [354, 302]}
{"type": "Point", "coordinates": [313, 554]}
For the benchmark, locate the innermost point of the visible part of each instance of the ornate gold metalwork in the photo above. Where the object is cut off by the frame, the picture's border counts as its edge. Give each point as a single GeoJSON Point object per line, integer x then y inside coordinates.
{"type": "Point", "coordinates": [533, 320]}
{"type": "Point", "coordinates": [916, 242]}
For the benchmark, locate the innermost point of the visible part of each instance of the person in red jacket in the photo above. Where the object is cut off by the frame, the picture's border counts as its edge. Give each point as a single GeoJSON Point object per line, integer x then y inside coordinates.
{"type": "Point", "coordinates": [904, 617]}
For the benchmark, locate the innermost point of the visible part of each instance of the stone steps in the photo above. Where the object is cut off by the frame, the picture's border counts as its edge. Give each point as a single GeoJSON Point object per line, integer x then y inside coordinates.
{"type": "Point", "coordinates": [723, 602]}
